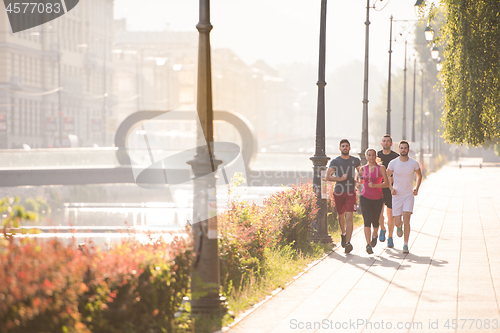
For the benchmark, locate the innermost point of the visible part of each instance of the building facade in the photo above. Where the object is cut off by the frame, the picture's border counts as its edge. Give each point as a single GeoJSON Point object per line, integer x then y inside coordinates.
{"type": "Point", "coordinates": [54, 79]}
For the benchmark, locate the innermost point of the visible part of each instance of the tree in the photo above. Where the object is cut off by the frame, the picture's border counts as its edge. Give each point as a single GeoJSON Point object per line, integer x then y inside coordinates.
{"type": "Point", "coordinates": [471, 70]}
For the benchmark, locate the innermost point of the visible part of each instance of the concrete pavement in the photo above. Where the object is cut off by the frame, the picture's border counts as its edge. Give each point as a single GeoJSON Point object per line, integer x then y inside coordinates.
{"type": "Point", "coordinates": [449, 282]}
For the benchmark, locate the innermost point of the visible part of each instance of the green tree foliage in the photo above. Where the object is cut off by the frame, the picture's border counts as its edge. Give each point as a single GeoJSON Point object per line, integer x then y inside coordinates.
{"type": "Point", "coordinates": [471, 71]}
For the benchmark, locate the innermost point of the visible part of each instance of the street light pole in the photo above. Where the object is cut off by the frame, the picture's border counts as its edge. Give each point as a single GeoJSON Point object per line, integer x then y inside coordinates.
{"type": "Point", "coordinates": [404, 97]}
{"type": "Point", "coordinates": [59, 94]}
{"type": "Point", "coordinates": [422, 124]}
{"type": "Point", "coordinates": [205, 278]}
{"type": "Point", "coordinates": [364, 131]}
{"type": "Point", "coordinates": [388, 126]}
{"type": "Point", "coordinates": [414, 85]}
{"type": "Point", "coordinates": [320, 159]}
{"type": "Point", "coordinates": [105, 95]}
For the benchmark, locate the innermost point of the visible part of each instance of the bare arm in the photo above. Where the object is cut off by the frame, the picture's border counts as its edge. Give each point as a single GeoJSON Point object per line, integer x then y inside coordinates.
{"type": "Point", "coordinates": [419, 181]}
{"type": "Point", "coordinates": [357, 179]}
{"type": "Point", "coordinates": [389, 174]}
{"type": "Point", "coordinates": [329, 176]}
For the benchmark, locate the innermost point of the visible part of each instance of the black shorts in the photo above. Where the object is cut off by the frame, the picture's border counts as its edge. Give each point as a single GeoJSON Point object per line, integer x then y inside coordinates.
{"type": "Point", "coordinates": [387, 197]}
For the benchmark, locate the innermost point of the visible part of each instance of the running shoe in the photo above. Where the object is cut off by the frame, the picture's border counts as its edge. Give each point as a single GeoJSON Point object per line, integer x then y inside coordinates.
{"type": "Point", "coordinates": [343, 241]}
{"type": "Point", "coordinates": [400, 231]}
{"type": "Point", "coordinates": [369, 249]}
{"type": "Point", "coordinates": [381, 237]}
{"type": "Point", "coordinates": [390, 242]}
{"type": "Point", "coordinates": [374, 241]}
{"type": "Point", "coordinates": [348, 247]}
{"type": "Point", "coordinates": [405, 249]}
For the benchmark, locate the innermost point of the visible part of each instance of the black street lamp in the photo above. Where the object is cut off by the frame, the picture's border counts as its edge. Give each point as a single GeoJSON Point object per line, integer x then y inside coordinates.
{"type": "Point", "coordinates": [205, 278]}
{"type": "Point", "coordinates": [404, 96]}
{"type": "Point", "coordinates": [429, 33]}
{"type": "Point", "coordinates": [418, 8]}
{"type": "Point", "coordinates": [320, 159]}
{"type": "Point", "coordinates": [388, 125]}
{"type": "Point", "coordinates": [422, 123]}
{"type": "Point", "coordinates": [364, 131]}
{"type": "Point", "coordinates": [414, 85]}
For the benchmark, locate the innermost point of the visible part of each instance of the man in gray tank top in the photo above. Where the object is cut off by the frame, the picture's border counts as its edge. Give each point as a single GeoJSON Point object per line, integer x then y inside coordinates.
{"type": "Point", "coordinates": [342, 171]}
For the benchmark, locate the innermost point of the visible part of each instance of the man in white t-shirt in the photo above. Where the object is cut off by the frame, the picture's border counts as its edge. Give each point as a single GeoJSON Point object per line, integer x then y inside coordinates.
{"type": "Point", "coordinates": [403, 193]}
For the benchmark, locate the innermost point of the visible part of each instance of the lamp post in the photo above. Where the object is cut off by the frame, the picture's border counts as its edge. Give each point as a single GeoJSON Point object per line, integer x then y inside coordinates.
{"type": "Point", "coordinates": [422, 123]}
{"type": "Point", "coordinates": [388, 125]}
{"type": "Point", "coordinates": [404, 97]}
{"type": "Point", "coordinates": [364, 131]}
{"type": "Point", "coordinates": [414, 85]}
{"type": "Point", "coordinates": [205, 278]}
{"type": "Point", "coordinates": [105, 94]}
{"type": "Point", "coordinates": [320, 159]}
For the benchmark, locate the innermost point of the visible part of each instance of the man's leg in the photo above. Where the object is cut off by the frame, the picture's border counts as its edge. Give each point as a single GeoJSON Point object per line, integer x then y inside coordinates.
{"type": "Point", "coordinates": [348, 226]}
{"type": "Point", "coordinates": [381, 219]}
{"type": "Point", "coordinates": [340, 205]}
{"type": "Point", "coordinates": [390, 221]}
{"type": "Point", "coordinates": [406, 229]}
{"type": "Point", "coordinates": [397, 221]}
{"type": "Point", "coordinates": [342, 223]}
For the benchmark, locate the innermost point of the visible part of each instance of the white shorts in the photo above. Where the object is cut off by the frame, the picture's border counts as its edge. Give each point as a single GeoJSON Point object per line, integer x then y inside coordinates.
{"type": "Point", "coordinates": [402, 203]}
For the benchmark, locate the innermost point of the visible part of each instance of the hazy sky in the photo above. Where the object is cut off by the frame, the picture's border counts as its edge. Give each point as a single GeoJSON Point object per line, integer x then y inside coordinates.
{"type": "Point", "coordinates": [281, 31]}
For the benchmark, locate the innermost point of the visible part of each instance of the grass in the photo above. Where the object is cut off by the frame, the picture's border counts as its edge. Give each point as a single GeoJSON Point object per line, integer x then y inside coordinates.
{"type": "Point", "coordinates": [282, 265]}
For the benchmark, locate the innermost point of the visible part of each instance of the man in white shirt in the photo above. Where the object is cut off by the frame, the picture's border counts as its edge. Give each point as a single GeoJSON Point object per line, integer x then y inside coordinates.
{"type": "Point", "coordinates": [403, 193]}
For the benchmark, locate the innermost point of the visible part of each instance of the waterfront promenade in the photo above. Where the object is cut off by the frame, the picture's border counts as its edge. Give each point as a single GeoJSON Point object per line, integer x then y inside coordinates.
{"type": "Point", "coordinates": [449, 282]}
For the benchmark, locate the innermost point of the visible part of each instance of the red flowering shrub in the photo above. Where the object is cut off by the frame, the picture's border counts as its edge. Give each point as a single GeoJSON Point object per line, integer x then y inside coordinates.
{"type": "Point", "coordinates": [246, 230]}
{"type": "Point", "coordinates": [293, 210]}
{"type": "Point", "coordinates": [46, 286]}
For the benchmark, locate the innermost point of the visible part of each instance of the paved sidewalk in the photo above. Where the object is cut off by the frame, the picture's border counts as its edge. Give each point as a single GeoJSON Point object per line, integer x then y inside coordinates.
{"type": "Point", "coordinates": [450, 281]}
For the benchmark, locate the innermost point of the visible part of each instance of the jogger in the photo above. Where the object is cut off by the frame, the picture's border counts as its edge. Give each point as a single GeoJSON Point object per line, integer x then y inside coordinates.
{"type": "Point", "coordinates": [403, 193]}
{"type": "Point", "coordinates": [371, 197]}
{"type": "Point", "coordinates": [386, 155]}
{"type": "Point", "coordinates": [344, 167]}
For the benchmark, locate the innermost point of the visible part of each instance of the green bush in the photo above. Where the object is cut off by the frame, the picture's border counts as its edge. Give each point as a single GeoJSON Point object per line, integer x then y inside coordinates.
{"type": "Point", "coordinates": [247, 230]}
{"type": "Point", "coordinates": [244, 235]}
{"type": "Point", "coordinates": [293, 210]}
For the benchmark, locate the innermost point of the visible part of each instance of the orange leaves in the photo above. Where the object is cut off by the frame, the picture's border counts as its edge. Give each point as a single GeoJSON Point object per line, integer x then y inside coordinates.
{"type": "Point", "coordinates": [46, 285]}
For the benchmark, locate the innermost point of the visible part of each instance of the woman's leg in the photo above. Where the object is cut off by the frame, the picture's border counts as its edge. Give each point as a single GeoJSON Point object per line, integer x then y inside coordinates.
{"type": "Point", "coordinates": [365, 210]}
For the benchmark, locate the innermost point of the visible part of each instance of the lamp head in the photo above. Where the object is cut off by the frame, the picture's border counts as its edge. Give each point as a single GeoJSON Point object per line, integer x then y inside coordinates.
{"type": "Point", "coordinates": [439, 65]}
{"type": "Point", "coordinates": [429, 33]}
{"type": "Point", "coordinates": [435, 53]}
{"type": "Point", "coordinates": [418, 8]}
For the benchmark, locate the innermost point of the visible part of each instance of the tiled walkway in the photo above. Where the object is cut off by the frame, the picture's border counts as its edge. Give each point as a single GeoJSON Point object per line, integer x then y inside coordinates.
{"type": "Point", "coordinates": [450, 281]}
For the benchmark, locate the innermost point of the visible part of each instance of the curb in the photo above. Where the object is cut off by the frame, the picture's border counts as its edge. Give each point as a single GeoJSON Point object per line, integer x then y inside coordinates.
{"type": "Point", "coordinates": [278, 290]}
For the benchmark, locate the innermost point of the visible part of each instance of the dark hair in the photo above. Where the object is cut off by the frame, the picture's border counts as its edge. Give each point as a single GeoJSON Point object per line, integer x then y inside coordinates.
{"type": "Point", "coordinates": [404, 142]}
{"type": "Point", "coordinates": [344, 141]}
{"type": "Point", "coordinates": [387, 136]}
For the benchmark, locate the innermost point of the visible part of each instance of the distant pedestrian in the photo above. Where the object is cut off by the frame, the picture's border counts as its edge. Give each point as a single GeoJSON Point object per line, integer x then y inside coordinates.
{"type": "Point", "coordinates": [342, 171]}
{"type": "Point", "coordinates": [387, 155]}
{"type": "Point", "coordinates": [371, 198]}
{"type": "Point", "coordinates": [403, 193]}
